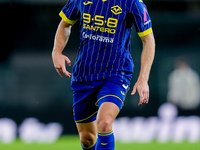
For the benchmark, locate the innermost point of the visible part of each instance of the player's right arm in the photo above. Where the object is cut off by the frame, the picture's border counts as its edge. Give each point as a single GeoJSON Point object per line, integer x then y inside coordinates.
{"type": "Point", "coordinates": [60, 41]}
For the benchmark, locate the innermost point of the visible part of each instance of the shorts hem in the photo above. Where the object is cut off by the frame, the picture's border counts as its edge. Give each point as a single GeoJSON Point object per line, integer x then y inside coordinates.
{"type": "Point", "coordinates": [97, 103]}
{"type": "Point", "coordinates": [88, 119]}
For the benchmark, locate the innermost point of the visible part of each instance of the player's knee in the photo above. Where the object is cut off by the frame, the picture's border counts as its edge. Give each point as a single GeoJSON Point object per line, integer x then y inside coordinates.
{"type": "Point", "coordinates": [87, 140]}
{"type": "Point", "coordinates": [104, 125]}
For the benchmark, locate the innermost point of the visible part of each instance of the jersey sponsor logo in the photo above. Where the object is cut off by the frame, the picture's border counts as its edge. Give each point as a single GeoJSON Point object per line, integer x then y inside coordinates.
{"type": "Point", "coordinates": [122, 93]}
{"type": "Point", "coordinates": [97, 38]}
{"type": "Point", "coordinates": [87, 3]}
{"type": "Point", "coordinates": [97, 28]}
{"type": "Point", "coordinates": [99, 23]}
{"type": "Point", "coordinates": [116, 10]}
{"type": "Point", "coordinates": [125, 86]}
{"type": "Point", "coordinates": [141, 1]}
{"type": "Point", "coordinates": [104, 143]}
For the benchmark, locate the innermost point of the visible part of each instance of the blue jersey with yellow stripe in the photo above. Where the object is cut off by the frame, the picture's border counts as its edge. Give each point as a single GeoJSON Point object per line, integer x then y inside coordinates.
{"type": "Point", "coordinates": [105, 32]}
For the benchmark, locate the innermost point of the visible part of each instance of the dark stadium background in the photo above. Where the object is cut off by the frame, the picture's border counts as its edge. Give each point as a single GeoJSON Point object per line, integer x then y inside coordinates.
{"type": "Point", "coordinates": [29, 84]}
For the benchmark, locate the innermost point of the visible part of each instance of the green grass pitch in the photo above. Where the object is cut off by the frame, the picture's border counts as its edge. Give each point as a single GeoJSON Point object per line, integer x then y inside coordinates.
{"type": "Point", "coordinates": [72, 143]}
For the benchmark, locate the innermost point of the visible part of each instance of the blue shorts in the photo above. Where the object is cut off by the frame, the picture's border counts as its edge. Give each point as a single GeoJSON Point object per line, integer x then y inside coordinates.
{"type": "Point", "coordinates": [88, 97]}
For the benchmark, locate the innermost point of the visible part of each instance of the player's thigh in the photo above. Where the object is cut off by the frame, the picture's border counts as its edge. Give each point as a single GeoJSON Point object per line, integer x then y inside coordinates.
{"type": "Point", "coordinates": [108, 111]}
{"type": "Point", "coordinates": [110, 101]}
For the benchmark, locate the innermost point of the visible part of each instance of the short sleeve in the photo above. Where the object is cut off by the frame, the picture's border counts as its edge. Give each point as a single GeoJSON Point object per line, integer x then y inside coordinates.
{"type": "Point", "coordinates": [70, 12]}
{"type": "Point", "coordinates": [141, 18]}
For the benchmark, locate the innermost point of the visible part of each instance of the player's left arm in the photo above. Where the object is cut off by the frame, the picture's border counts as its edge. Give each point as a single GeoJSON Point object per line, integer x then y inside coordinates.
{"type": "Point", "coordinates": [147, 58]}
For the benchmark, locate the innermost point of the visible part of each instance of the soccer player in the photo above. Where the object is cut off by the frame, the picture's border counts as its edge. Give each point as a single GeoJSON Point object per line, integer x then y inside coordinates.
{"type": "Point", "coordinates": [103, 69]}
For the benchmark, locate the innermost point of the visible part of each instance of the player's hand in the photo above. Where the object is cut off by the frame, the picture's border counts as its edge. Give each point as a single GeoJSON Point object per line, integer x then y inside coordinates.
{"type": "Point", "coordinates": [59, 63]}
{"type": "Point", "coordinates": [143, 89]}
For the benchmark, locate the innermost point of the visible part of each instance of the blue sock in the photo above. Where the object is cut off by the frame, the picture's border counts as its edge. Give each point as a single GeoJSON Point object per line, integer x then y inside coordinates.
{"type": "Point", "coordinates": [89, 148]}
{"type": "Point", "coordinates": [105, 141]}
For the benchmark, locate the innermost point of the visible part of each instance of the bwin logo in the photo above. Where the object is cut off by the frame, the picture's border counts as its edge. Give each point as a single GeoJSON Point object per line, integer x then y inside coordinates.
{"type": "Point", "coordinates": [116, 10]}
